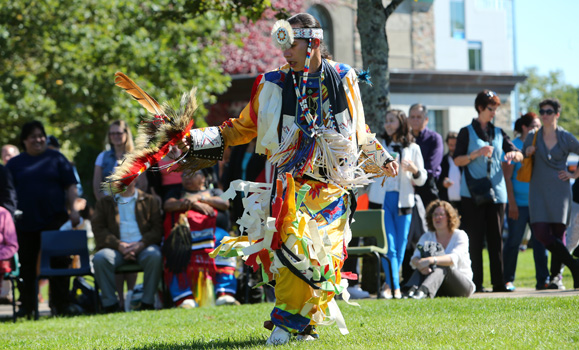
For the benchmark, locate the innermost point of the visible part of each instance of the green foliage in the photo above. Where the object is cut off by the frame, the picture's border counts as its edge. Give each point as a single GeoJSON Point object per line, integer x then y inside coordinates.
{"type": "Point", "coordinates": [230, 10]}
{"type": "Point", "coordinates": [538, 87]}
{"type": "Point", "coordinates": [58, 59]}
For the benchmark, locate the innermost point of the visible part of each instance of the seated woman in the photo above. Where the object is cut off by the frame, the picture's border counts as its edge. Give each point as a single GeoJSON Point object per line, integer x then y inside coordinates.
{"type": "Point", "coordinates": [206, 212]}
{"type": "Point", "coordinates": [8, 242]}
{"type": "Point", "coordinates": [441, 258]}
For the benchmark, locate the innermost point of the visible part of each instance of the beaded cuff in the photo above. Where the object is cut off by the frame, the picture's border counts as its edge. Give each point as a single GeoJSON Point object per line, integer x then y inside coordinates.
{"type": "Point", "coordinates": [207, 143]}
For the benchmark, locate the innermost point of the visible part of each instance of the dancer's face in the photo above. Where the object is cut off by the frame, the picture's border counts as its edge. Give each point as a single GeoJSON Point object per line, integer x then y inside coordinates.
{"type": "Point", "coordinates": [296, 54]}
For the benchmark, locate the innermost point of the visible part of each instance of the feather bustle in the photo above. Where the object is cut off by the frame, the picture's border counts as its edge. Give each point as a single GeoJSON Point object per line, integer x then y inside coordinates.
{"type": "Point", "coordinates": [156, 134]}
{"type": "Point", "coordinates": [131, 88]}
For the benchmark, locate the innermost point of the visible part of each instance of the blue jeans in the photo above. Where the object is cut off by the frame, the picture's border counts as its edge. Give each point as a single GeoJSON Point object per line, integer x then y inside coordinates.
{"type": "Point", "coordinates": [397, 227]}
{"type": "Point", "coordinates": [511, 249]}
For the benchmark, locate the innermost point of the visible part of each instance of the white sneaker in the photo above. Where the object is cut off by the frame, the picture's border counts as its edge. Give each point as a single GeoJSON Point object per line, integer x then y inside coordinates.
{"type": "Point", "coordinates": [226, 299]}
{"type": "Point", "coordinates": [279, 336]}
{"type": "Point", "coordinates": [386, 292]}
{"type": "Point", "coordinates": [188, 304]}
{"type": "Point", "coordinates": [357, 293]}
{"type": "Point", "coordinates": [306, 337]}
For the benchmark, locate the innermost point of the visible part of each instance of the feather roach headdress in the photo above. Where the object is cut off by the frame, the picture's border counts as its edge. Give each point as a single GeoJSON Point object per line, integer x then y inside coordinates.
{"type": "Point", "coordinates": [158, 131]}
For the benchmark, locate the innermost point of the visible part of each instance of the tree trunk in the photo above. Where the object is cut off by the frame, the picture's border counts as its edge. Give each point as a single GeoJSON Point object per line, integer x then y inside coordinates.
{"type": "Point", "coordinates": [372, 17]}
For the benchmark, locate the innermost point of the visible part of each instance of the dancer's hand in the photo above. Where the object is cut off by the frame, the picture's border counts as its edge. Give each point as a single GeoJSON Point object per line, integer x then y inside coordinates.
{"type": "Point", "coordinates": [183, 144]}
{"type": "Point", "coordinates": [391, 168]}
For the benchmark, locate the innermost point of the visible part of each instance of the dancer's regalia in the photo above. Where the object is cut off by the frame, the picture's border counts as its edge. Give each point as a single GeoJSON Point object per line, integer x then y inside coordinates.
{"type": "Point", "coordinates": [311, 127]}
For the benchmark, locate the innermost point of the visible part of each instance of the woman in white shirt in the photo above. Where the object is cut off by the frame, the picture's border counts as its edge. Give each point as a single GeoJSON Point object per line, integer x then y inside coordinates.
{"type": "Point", "coordinates": [445, 271]}
{"type": "Point", "coordinates": [397, 193]}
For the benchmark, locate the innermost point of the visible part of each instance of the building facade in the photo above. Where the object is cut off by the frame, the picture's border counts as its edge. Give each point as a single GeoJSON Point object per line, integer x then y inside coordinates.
{"type": "Point", "coordinates": [442, 53]}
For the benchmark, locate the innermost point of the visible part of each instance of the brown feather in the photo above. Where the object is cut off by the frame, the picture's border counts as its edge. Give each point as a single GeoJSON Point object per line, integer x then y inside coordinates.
{"type": "Point", "coordinates": [152, 137]}
{"type": "Point", "coordinates": [121, 80]}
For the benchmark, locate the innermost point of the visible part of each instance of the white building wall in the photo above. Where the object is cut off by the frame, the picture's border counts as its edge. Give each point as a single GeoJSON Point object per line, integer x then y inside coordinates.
{"type": "Point", "coordinates": [451, 54]}
{"type": "Point", "coordinates": [483, 23]}
{"type": "Point", "coordinates": [344, 27]}
{"type": "Point", "coordinates": [489, 26]}
{"type": "Point", "coordinates": [458, 110]}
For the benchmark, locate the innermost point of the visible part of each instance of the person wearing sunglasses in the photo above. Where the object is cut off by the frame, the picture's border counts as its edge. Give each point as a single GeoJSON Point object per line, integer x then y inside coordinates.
{"type": "Point", "coordinates": [479, 150]}
{"type": "Point", "coordinates": [518, 216]}
{"type": "Point", "coordinates": [550, 189]}
{"type": "Point", "coordinates": [119, 141]}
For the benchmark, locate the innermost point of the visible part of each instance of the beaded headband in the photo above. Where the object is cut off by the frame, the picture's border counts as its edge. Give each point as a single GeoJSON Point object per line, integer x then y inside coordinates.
{"type": "Point", "coordinates": [283, 34]}
{"type": "Point", "coordinates": [308, 33]}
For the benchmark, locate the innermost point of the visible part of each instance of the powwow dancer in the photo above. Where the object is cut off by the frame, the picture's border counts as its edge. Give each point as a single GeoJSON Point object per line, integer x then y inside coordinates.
{"type": "Point", "coordinates": [309, 121]}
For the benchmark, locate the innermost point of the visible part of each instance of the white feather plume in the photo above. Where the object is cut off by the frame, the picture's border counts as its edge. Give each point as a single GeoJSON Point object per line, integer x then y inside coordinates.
{"type": "Point", "coordinates": [282, 34]}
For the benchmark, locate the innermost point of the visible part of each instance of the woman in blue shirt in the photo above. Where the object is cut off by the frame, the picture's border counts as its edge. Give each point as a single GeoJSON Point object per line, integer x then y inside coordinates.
{"type": "Point", "coordinates": [480, 147]}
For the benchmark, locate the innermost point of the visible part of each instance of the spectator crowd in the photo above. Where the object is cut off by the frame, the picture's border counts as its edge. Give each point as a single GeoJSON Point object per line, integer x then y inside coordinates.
{"type": "Point", "coordinates": [440, 212]}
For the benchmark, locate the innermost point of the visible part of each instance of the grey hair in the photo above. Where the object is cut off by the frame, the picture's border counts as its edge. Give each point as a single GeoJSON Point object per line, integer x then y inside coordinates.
{"type": "Point", "coordinates": [418, 105]}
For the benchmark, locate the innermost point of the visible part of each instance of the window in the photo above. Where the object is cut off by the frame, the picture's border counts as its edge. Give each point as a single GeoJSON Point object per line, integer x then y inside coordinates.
{"type": "Point", "coordinates": [457, 19]}
{"type": "Point", "coordinates": [435, 120]}
{"type": "Point", "coordinates": [474, 55]}
{"type": "Point", "coordinates": [322, 15]}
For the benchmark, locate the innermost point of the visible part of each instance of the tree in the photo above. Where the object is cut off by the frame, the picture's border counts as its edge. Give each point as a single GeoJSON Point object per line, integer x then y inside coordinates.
{"type": "Point", "coordinates": [255, 53]}
{"type": "Point", "coordinates": [371, 24]}
{"type": "Point", "coordinates": [537, 88]}
{"type": "Point", "coordinates": [58, 59]}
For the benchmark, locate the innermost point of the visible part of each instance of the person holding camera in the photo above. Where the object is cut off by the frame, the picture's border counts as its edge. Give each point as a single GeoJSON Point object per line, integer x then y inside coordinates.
{"type": "Point", "coordinates": [441, 259]}
{"type": "Point", "coordinates": [479, 150]}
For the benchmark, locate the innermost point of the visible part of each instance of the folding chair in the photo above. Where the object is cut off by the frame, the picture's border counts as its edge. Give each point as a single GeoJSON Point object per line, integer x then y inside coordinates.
{"type": "Point", "coordinates": [135, 267]}
{"type": "Point", "coordinates": [64, 243]}
{"type": "Point", "coordinates": [13, 276]}
{"type": "Point", "coordinates": [370, 224]}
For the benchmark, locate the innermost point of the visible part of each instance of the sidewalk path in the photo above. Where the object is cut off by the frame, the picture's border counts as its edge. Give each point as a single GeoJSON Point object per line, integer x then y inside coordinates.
{"type": "Point", "coordinates": [6, 310]}
{"type": "Point", "coordinates": [529, 292]}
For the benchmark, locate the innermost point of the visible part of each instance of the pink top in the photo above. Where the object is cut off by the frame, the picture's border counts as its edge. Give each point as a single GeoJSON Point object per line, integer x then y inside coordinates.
{"type": "Point", "coordinates": [8, 240]}
{"type": "Point", "coordinates": [169, 177]}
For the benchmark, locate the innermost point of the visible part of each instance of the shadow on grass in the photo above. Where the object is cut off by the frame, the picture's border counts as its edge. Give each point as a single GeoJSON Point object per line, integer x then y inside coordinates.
{"type": "Point", "coordinates": [6, 319]}
{"type": "Point", "coordinates": [216, 344]}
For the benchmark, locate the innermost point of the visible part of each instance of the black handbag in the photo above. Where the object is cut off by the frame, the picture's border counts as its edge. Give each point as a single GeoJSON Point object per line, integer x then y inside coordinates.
{"type": "Point", "coordinates": [481, 190]}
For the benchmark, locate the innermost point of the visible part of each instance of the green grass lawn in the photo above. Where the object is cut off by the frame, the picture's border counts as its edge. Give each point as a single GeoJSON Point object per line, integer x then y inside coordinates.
{"type": "Point", "coordinates": [507, 323]}
{"type": "Point", "coordinates": [525, 275]}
